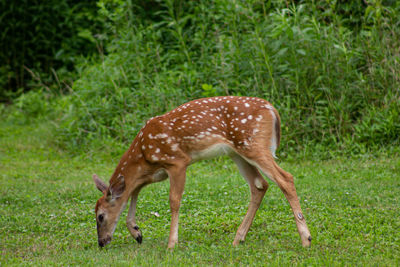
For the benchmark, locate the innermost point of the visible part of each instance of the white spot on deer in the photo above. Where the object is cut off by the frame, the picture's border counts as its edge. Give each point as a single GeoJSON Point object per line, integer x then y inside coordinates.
{"type": "Point", "coordinates": [161, 135]}
{"type": "Point", "coordinates": [174, 147]}
{"type": "Point", "coordinates": [242, 131]}
{"type": "Point", "coordinates": [250, 117]}
{"type": "Point", "coordinates": [157, 150]}
{"type": "Point", "coordinates": [245, 143]}
{"type": "Point", "coordinates": [235, 108]}
{"type": "Point", "coordinates": [259, 118]}
{"type": "Point", "coordinates": [258, 184]}
{"type": "Point", "coordinates": [215, 128]}
{"type": "Point", "coordinates": [255, 131]}
{"type": "Point", "coordinates": [122, 168]}
{"type": "Point", "coordinates": [273, 141]}
{"type": "Point", "coordinates": [150, 146]}
{"type": "Point", "coordinates": [244, 120]}
{"type": "Point", "coordinates": [125, 163]}
{"type": "Point", "coordinates": [246, 105]}
{"type": "Point", "coordinates": [241, 113]}
{"type": "Point", "coordinates": [268, 107]}
{"type": "Point", "coordinates": [154, 157]}
{"type": "Point", "coordinates": [143, 147]}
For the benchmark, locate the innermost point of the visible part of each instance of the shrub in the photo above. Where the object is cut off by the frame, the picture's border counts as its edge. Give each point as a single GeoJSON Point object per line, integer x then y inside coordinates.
{"type": "Point", "coordinates": [42, 40]}
{"type": "Point", "coordinates": [335, 81]}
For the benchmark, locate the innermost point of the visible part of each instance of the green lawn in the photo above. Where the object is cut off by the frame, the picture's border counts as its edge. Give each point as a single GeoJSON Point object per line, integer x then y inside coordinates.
{"type": "Point", "coordinates": [47, 200]}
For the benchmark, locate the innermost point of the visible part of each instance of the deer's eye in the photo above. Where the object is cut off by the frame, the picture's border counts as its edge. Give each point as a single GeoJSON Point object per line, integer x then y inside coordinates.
{"type": "Point", "coordinates": [101, 218]}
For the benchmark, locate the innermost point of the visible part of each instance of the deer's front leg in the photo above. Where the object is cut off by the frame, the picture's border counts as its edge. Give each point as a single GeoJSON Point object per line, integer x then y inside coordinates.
{"type": "Point", "coordinates": [177, 183]}
{"type": "Point", "coordinates": [131, 218]}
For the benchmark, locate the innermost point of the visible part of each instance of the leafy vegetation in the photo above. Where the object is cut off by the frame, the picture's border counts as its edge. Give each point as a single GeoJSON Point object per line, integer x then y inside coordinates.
{"type": "Point", "coordinates": [330, 69]}
{"type": "Point", "coordinates": [41, 42]}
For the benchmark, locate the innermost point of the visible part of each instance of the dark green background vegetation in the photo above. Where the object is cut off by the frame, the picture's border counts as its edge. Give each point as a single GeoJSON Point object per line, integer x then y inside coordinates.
{"type": "Point", "coordinates": [99, 69]}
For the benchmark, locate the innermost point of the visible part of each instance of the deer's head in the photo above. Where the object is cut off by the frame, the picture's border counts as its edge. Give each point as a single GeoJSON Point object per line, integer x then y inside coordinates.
{"type": "Point", "coordinates": [108, 207]}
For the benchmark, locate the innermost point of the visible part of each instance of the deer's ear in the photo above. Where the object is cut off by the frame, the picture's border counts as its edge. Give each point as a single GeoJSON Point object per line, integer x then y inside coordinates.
{"type": "Point", "coordinates": [116, 188]}
{"type": "Point", "coordinates": [99, 183]}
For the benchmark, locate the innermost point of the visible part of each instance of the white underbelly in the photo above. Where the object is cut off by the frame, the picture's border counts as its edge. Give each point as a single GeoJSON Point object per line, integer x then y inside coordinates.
{"type": "Point", "coordinates": [160, 175]}
{"type": "Point", "coordinates": [211, 152]}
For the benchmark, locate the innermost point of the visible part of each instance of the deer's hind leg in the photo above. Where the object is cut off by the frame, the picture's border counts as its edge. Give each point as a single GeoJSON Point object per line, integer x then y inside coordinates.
{"type": "Point", "coordinates": [258, 187]}
{"type": "Point", "coordinates": [285, 181]}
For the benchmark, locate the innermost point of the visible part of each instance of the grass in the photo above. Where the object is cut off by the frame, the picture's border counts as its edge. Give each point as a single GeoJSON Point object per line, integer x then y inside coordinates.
{"type": "Point", "coordinates": [47, 200]}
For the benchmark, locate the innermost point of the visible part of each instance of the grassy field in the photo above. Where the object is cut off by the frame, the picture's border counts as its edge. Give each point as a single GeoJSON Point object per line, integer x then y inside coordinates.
{"type": "Point", "coordinates": [47, 201]}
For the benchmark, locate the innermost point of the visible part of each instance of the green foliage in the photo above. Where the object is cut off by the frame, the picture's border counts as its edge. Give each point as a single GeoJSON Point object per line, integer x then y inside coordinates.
{"type": "Point", "coordinates": [330, 68]}
{"type": "Point", "coordinates": [41, 41]}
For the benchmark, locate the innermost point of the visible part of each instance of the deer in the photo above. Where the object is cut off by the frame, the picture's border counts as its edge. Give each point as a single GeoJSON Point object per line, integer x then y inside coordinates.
{"type": "Point", "coordinates": [247, 129]}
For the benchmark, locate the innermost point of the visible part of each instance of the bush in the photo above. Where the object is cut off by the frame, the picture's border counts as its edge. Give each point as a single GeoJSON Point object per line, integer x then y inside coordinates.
{"type": "Point", "coordinates": [330, 68]}
{"type": "Point", "coordinates": [42, 40]}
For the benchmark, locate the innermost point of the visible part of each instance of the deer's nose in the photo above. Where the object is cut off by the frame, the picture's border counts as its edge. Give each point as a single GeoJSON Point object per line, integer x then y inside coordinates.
{"type": "Point", "coordinates": [104, 241]}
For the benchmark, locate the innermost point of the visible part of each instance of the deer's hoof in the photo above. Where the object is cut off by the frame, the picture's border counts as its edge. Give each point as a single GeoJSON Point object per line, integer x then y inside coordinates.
{"type": "Point", "coordinates": [139, 238]}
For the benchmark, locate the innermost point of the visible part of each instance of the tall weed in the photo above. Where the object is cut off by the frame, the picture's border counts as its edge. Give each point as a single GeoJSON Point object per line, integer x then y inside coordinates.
{"type": "Point", "coordinates": [335, 81]}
